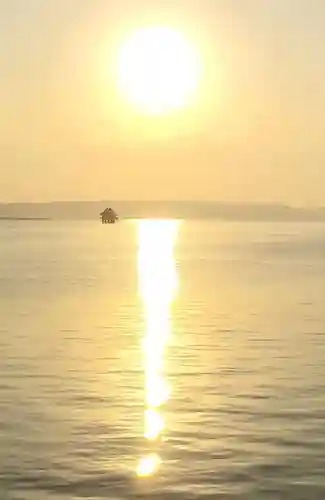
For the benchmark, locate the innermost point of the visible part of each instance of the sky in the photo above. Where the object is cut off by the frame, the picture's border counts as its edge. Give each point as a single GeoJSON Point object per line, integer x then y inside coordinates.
{"type": "Point", "coordinates": [255, 134]}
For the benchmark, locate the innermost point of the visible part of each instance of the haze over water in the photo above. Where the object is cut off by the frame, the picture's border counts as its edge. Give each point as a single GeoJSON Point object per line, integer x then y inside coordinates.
{"type": "Point", "coordinates": [190, 353]}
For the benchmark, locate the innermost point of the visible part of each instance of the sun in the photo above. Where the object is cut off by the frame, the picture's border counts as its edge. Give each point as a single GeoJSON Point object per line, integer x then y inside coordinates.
{"type": "Point", "coordinates": [159, 70]}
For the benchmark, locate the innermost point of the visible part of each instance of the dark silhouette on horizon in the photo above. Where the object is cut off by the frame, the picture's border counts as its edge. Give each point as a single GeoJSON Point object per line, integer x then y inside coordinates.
{"type": "Point", "coordinates": [109, 216]}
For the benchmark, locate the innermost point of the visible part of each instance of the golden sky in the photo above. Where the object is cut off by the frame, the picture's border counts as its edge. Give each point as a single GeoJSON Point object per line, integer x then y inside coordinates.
{"type": "Point", "coordinates": [256, 132]}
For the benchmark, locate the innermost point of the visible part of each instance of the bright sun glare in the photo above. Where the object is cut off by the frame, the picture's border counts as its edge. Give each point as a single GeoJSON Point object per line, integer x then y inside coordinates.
{"type": "Point", "coordinates": [159, 70]}
{"type": "Point", "coordinates": [158, 286]}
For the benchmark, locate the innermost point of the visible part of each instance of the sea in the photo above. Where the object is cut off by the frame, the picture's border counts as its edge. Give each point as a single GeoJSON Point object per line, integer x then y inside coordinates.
{"type": "Point", "coordinates": [162, 359]}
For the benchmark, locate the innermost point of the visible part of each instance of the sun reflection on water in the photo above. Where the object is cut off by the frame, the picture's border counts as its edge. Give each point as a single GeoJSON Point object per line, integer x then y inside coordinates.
{"type": "Point", "coordinates": [158, 285]}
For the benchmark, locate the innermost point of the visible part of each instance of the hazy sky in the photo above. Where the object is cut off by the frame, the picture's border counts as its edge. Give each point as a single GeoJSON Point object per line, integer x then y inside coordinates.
{"type": "Point", "coordinates": [257, 132]}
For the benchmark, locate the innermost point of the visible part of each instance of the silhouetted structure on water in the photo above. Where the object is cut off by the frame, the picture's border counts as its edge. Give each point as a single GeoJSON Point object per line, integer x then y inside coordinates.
{"type": "Point", "coordinates": [109, 216]}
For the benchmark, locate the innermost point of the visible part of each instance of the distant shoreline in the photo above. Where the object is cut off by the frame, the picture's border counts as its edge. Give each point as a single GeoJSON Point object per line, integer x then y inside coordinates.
{"type": "Point", "coordinates": [26, 218]}
{"type": "Point", "coordinates": [293, 220]}
{"type": "Point", "coordinates": [185, 210]}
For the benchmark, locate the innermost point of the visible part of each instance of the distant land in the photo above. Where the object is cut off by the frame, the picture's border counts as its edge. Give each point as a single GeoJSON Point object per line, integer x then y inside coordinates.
{"type": "Point", "coordinates": [90, 210]}
{"type": "Point", "coordinates": [24, 218]}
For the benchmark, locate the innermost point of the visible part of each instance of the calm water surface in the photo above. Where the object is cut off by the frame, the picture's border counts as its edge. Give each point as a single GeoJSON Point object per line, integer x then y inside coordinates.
{"type": "Point", "coordinates": [162, 360]}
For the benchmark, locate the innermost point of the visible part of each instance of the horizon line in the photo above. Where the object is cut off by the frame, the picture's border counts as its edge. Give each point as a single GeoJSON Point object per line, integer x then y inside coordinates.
{"type": "Point", "coordinates": [208, 202]}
